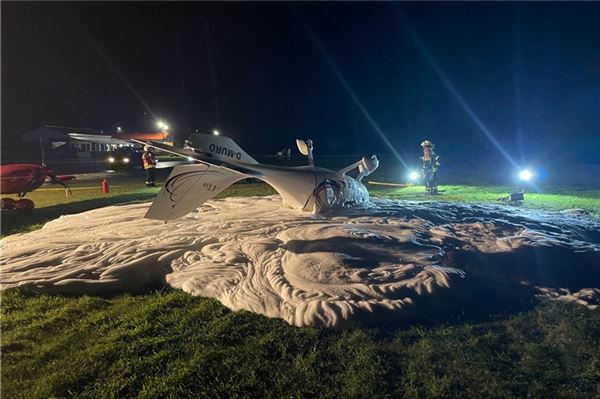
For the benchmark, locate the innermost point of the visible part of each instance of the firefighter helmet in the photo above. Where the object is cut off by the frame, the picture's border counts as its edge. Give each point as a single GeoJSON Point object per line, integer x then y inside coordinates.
{"type": "Point", "coordinates": [427, 143]}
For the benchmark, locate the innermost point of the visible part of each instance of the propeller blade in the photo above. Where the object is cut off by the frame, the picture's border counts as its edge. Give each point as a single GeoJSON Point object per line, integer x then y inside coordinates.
{"type": "Point", "coordinates": [43, 153]}
{"type": "Point", "coordinates": [55, 179]}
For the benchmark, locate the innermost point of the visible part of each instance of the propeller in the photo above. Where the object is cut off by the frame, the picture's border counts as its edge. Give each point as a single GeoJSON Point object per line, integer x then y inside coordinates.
{"type": "Point", "coordinates": [53, 177]}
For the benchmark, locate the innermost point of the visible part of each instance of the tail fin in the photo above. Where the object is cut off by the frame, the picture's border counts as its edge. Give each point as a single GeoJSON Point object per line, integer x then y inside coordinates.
{"type": "Point", "coordinates": [188, 187]}
{"type": "Point", "coordinates": [220, 147]}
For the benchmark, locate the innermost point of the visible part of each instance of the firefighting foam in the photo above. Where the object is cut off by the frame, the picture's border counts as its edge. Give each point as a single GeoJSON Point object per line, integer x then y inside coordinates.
{"type": "Point", "coordinates": [383, 262]}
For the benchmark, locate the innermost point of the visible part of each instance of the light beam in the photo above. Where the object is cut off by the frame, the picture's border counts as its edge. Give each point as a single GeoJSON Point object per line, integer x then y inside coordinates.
{"type": "Point", "coordinates": [420, 45]}
{"type": "Point", "coordinates": [338, 74]}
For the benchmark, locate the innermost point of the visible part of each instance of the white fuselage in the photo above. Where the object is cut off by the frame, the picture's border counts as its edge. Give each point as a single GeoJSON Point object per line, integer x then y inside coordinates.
{"type": "Point", "coordinates": [313, 189]}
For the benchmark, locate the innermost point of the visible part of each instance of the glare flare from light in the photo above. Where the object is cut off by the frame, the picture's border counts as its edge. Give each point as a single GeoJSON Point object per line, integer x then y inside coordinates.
{"type": "Point", "coordinates": [338, 74]}
{"type": "Point", "coordinates": [525, 175]}
{"type": "Point", "coordinates": [420, 45]}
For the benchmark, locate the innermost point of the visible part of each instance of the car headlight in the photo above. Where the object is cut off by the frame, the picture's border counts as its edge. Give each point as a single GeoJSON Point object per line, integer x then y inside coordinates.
{"type": "Point", "coordinates": [111, 159]}
{"type": "Point", "coordinates": [125, 160]}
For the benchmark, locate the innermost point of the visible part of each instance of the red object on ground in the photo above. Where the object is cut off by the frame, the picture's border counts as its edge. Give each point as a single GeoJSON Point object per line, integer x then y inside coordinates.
{"type": "Point", "coordinates": [24, 205]}
{"type": "Point", "coordinates": [104, 186]}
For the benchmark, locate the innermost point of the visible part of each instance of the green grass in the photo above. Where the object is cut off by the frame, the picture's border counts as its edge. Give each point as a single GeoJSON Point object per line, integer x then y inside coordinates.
{"type": "Point", "coordinates": [165, 343]}
{"type": "Point", "coordinates": [169, 344]}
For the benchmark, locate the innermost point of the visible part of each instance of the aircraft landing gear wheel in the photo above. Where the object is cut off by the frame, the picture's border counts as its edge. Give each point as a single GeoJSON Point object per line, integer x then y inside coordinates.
{"type": "Point", "coordinates": [24, 205]}
{"type": "Point", "coordinates": [7, 204]}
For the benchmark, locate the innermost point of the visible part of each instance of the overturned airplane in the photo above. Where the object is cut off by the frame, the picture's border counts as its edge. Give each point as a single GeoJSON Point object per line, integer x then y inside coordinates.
{"type": "Point", "coordinates": [220, 162]}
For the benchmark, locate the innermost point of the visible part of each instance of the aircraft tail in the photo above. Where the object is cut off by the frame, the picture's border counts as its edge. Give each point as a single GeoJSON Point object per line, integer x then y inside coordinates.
{"type": "Point", "coordinates": [220, 147]}
{"type": "Point", "coordinates": [188, 187]}
{"type": "Point", "coordinates": [220, 162]}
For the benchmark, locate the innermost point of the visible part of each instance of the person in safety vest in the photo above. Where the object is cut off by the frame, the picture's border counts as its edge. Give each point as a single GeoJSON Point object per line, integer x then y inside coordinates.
{"type": "Point", "coordinates": [431, 164]}
{"type": "Point", "coordinates": [149, 161]}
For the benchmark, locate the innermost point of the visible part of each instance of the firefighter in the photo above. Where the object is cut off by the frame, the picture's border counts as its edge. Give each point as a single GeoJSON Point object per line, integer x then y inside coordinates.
{"type": "Point", "coordinates": [431, 164]}
{"type": "Point", "coordinates": [149, 161]}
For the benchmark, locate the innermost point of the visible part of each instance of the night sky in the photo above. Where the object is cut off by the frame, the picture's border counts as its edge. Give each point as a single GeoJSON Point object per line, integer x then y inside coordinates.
{"type": "Point", "coordinates": [464, 75]}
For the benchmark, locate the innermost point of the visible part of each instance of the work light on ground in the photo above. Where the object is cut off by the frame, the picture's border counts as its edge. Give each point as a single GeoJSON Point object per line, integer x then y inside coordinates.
{"type": "Point", "coordinates": [413, 176]}
{"type": "Point", "coordinates": [525, 176]}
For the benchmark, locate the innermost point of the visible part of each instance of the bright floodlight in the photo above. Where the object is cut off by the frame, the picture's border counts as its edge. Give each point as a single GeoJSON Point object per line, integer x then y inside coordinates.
{"type": "Point", "coordinates": [160, 124]}
{"type": "Point", "coordinates": [525, 174]}
{"type": "Point", "coordinates": [119, 129]}
{"type": "Point", "coordinates": [413, 175]}
{"type": "Point", "coordinates": [216, 132]}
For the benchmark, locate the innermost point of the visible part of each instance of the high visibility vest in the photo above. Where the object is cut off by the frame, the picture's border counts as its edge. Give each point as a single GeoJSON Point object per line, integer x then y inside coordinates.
{"type": "Point", "coordinates": [148, 160]}
{"type": "Point", "coordinates": [427, 155]}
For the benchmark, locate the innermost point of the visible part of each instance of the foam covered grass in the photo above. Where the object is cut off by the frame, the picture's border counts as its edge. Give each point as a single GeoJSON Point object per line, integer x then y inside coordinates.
{"type": "Point", "coordinates": [52, 203]}
{"type": "Point", "coordinates": [165, 343]}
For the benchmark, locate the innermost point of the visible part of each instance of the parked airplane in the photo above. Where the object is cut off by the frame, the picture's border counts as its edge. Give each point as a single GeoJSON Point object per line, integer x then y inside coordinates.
{"type": "Point", "coordinates": [21, 179]}
{"type": "Point", "coordinates": [220, 162]}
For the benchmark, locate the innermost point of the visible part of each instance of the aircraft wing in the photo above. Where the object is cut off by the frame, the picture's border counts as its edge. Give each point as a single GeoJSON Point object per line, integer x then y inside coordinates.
{"type": "Point", "coordinates": [168, 148]}
{"type": "Point", "coordinates": [97, 138]}
{"type": "Point", "coordinates": [188, 187]}
{"type": "Point", "coordinates": [249, 170]}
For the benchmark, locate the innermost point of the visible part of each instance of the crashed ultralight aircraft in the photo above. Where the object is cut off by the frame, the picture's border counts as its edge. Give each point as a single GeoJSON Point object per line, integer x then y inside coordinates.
{"type": "Point", "coordinates": [220, 162]}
